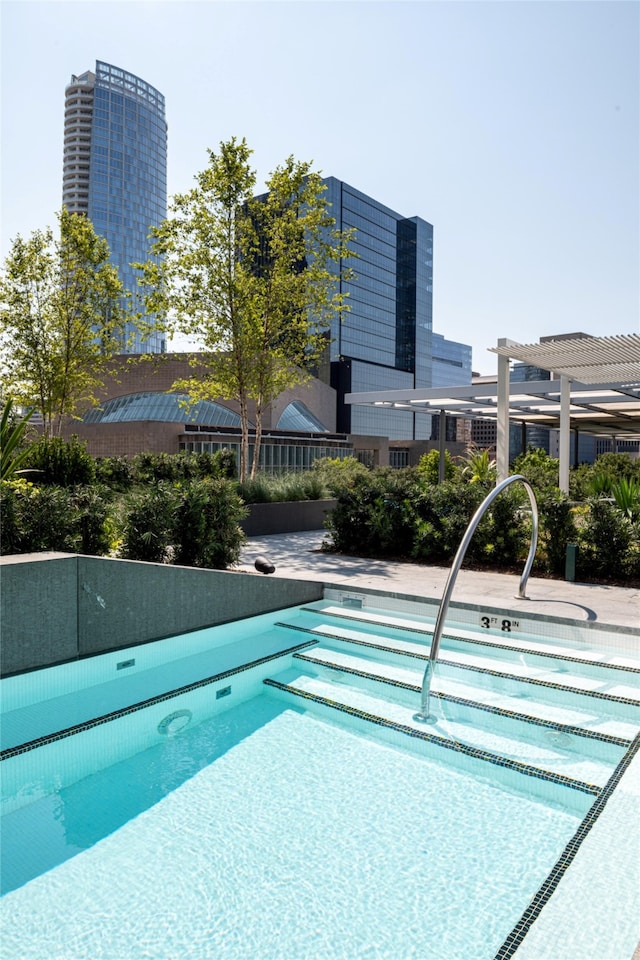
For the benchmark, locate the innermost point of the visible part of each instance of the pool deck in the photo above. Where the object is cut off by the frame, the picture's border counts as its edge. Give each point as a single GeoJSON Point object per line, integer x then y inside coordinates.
{"type": "Point", "coordinates": [299, 555]}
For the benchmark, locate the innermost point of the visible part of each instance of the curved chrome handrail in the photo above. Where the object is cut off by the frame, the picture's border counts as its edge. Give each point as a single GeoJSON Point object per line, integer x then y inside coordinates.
{"type": "Point", "coordinates": [424, 716]}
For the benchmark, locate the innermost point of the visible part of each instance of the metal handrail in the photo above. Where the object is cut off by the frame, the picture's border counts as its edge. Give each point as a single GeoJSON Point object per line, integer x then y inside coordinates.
{"type": "Point", "coordinates": [423, 716]}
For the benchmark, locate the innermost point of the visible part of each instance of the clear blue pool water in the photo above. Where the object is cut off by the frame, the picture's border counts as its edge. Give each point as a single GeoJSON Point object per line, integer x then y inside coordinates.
{"type": "Point", "coordinates": [264, 832]}
{"type": "Point", "coordinates": [267, 833]}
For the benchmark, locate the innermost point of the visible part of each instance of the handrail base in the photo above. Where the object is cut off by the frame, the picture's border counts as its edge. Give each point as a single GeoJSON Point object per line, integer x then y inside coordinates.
{"type": "Point", "coordinates": [425, 718]}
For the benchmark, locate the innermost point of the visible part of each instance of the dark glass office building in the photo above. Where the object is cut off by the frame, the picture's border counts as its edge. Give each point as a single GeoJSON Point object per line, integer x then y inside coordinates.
{"type": "Point", "coordinates": [115, 167]}
{"type": "Point", "coordinates": [384, 339]}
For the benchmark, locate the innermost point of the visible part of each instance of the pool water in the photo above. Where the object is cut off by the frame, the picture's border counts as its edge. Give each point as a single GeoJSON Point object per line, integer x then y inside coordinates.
{"type": "Point", "coordinates": [268, 833]}
{"type": "Point", "coordinates": [291, 819]}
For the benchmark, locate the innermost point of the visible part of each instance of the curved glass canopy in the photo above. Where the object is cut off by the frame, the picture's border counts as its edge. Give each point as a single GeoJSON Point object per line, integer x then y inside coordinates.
{"type": "Point", "coordinates": [296, 416]}
{"type": "Point", "coordinates": [165, 407]}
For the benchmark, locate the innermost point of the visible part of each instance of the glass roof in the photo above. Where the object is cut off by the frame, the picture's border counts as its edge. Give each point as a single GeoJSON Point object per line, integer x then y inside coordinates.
{"type": "Point", "coordinates": [296, 416]}
{"type": "Point", "coordinates": [165, 407]}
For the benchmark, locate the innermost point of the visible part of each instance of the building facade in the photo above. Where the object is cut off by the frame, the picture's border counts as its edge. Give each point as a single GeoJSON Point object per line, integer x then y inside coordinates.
{"type": "Point", "coordinates": [383, 340]}
{"type": "Point", "coordinates": [451, 362]}
{"type": "Point", "coordinates": [115, 169]}
{"type": "Point", "coordinates": [139, 412]}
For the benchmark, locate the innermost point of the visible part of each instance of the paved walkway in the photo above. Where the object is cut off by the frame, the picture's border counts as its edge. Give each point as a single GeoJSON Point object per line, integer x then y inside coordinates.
{"type": "Point", "coordinates": [299, 555]}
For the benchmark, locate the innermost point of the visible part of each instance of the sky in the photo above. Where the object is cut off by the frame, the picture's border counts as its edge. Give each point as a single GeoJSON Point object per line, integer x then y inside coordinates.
{"type": "Point", "coordinates": [513, 127]}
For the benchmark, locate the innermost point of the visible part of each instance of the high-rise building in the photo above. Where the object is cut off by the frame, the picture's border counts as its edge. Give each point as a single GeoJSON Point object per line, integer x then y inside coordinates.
{"type": "Point", "coordinates": [384, 339]}
{"type": "Point", "coordinates": [115, 168]}
{"type": "Point", "coordinates": [451, 362]}
{"type": "Point", "coordinates": [451, 367]}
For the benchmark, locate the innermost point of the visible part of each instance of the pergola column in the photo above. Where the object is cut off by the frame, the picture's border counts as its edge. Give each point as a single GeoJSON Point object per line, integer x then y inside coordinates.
{"type": "Point", "coordinates": [502, 418]}
{"type": "Point", "coordinates": [565, 432]}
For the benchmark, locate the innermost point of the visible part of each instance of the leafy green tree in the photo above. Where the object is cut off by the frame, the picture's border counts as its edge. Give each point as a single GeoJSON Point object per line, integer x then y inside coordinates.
{"type": "Point", "coordinates": [253, 279]}
{"type": "Point", "coordinates": [60, 318]}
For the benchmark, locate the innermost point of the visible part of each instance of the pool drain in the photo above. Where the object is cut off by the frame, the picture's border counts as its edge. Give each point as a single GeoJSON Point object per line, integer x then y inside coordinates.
{"type": "Point", "coordinates": [174, 723]}
{"type": "Point", "coordinates": [560, 738]}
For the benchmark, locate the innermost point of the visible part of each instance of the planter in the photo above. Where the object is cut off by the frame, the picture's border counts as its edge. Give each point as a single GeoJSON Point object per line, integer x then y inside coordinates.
{"type": "Point", "coordinates": [287, 517]}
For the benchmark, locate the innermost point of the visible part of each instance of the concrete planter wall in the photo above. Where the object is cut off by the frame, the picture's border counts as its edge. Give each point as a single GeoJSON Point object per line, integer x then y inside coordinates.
{"type": "Point", "coordinates": [288, 517]}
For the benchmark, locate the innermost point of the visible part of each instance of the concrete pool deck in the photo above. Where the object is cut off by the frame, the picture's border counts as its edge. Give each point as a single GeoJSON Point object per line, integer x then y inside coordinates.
{"type": "Point", "coordinates": [299, 555]}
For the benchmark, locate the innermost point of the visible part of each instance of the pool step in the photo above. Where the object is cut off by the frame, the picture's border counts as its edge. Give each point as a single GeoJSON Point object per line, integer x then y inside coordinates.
{"type": "Point", "coordinates": [564, 712]}
{"type": "Point", "coordinates": [582, 645]}
{"type": "Point", "coordinates": [454, 698]}
{"type": "Point", "coordinates": [545, 767]}
{"type": "Point", "coordinates": [387, 628]}
{"type": "Point", "coordinates": [548, 679]}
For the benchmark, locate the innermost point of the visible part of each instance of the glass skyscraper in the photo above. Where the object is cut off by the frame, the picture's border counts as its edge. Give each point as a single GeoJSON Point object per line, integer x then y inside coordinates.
{"type": "Point", "coordinates": [384, 339]}
{"type": "Point", "coordinates": [115, 168]}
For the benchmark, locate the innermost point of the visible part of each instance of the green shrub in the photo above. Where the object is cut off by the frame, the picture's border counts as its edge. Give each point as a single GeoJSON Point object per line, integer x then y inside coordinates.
{"type": "Point", "coordinates": [13, 430]}
{"type": "Point", "coordinates": [9, 518]}
{"type": "Point", "coordinates": [205, 524]}
{"type": "Point", "coordinates": [270, 488]}
{"type": "Point", "coordinates": [626, 493]}
{"type": "Point", "coordinates": [617, 466]}
{"type": "Point", "coordinates": [115, 472]}
{"type": "Point", "coordinates": [337, 475]}
{"type": "Point", "coordinates": [60, 463]}
{"type": "Point", "coordinates": [313, 486]}
{"type": "Point", "coordinates": [223, 463]}
{"type": "Point", "coordinates": [507, 534]}
{"type": "Point", "coordinates": [478, 467]}
{"type": "Point", "coordinates": [605, 543]}
{"type": "Point", "coordinates": [148, 523]}
{"type": "Point", "coordinates": [36, 519]}
{"type": "Point", "coordinates": [557, 529]}
{"type": "Point", "coordinates": [193, 523]}
{"type": "Point", "coordinates": [443, 514]}
{"type": "Point", "coordinates": [375, 516]}
{"type": "Point", "coordinates": [155, 467]}
{"type": "Point", "coordinates": [92, 513]}
{"type": "Point", "coordinates": [258, 490]}
{"type": "Point", "coordinates": [394, 513]}
{"type": "Point", "coordinates": [541, 470]}
{"type": "Point", "coordinates": [579, 481]}
{"type": "Point", "coordinates": [46, 518]}
{"type": "Point", "coordinates": [429, 467]}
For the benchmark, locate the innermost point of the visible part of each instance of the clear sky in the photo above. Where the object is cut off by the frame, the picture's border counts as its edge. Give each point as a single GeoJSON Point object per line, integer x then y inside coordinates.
{"type": "Point", "coordinates": [513, 127]}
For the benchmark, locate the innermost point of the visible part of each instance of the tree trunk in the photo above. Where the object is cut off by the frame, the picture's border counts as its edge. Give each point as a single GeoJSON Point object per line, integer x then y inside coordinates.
{"type": "Point", "coordinates": [244, 441]}
{"type": "Point", "coordinates": [258, 441]}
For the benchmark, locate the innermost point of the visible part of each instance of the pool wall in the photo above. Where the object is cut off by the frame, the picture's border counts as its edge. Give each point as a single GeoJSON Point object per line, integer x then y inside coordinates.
{"type": "Point", "coordinates": [58, 607]}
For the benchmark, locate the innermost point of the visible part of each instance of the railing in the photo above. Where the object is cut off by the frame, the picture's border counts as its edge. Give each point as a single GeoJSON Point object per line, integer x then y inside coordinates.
{"type": "Point", "coordinates": [423, 716]}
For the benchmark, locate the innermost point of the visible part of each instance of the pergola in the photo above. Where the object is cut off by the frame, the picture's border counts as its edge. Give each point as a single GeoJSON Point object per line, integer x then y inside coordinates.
{"type": "Point", "coordinates": [594, 389]}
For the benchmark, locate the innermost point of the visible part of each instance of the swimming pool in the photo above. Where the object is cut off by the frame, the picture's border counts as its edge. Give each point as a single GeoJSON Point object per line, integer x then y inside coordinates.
{"type": "Point", "coordinates": [260, 790]}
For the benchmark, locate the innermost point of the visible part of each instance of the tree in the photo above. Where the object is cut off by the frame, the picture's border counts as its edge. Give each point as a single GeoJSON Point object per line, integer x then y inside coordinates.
{"type": "Point", "coordinates": [253, 278]}
{"type": "Point", "coordinates": [60, 318]}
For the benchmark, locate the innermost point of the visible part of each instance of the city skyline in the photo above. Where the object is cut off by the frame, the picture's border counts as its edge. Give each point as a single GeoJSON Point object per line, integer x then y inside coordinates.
{"type": "Point", "coordinates": [512, 127]}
